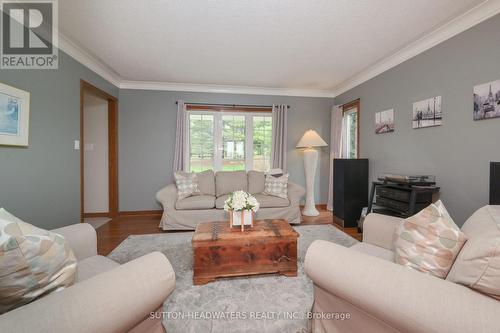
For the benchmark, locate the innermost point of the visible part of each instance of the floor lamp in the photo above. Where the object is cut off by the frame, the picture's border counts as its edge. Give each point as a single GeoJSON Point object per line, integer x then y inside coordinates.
{"type": "Point", "coordinates": [310, 140]}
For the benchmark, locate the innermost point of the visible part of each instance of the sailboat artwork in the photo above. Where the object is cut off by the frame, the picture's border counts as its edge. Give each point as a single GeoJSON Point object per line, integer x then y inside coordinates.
{"type": "Point", "coordinates": [14, 116]}
{"type": "Point", "coordinates": [427, 113]}
{"type": "Point", "coordinates": [9, 115]}
{"type": "Point", "coordinates": [487, 100]}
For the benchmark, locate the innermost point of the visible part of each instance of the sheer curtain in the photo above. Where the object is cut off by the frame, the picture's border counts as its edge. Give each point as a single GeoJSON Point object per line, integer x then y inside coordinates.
{"type": "Point", "coordinates": [278, 151]}
{"type": "Point", "coordinates": [180, 135]}
{"type": "Point", "coordinates": [335, 147]}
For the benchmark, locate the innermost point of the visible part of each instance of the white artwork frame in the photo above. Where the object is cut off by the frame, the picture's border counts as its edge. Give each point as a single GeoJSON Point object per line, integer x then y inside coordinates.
{"type": "Point", "coordinates": [487, 100]}
{"type": "Point", "coordinates": [427, 113]}
{"type": "Point", "coordinates": [384, 122]}
{"type": "Point", "coordinates": [14, 116]}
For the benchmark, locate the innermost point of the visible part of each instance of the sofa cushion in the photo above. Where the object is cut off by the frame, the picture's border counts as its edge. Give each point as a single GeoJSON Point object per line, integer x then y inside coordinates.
{"type": "Point", "coordinates": [187, 184]}
{"type": "Point", "coordinates": [276, 186]}
{"type": "Point", "coordinates": [373, 250]}
{"type": "Point", "coordinates": [270, 201]}
{"type": "Point", "coordinates": [33, 262]}
{"type": "Point", "coordinates": [92, 266]}
{"type": "Point", "coordinates": [478, 264]}
{"type": "Point", "coordinates": [256, 181]}
{"type": "Point", "coordinates": [230, 181]}
{"type": "Point", "coordinates": [428, 241]}
{"type": "Point", "coordinates": [196, 202]}
{"type": "Point", "coordinates": [206, 182]}
{"type": "Point", "coordinates": [219, 202]}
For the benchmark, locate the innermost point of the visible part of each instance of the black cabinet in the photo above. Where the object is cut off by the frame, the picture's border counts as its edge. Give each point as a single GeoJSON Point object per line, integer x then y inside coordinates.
{"type": "Point", "coordinates": [350, 190]}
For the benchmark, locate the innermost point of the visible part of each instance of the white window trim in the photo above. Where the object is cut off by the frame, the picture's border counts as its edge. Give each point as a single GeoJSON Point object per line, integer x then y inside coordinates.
{"type": "Point", "coordinates": [218, 149]}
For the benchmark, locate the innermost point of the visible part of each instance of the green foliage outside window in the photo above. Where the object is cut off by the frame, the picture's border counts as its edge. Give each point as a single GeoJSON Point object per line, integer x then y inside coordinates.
{"type": "Point", "coordinates": [233, 135]}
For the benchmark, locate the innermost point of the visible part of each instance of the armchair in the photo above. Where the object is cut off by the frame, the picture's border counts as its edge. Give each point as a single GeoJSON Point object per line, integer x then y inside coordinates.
{"type": "Point", "coordinates": [106, 296]}
{"type": "Point", "coordinates": [381, 296]}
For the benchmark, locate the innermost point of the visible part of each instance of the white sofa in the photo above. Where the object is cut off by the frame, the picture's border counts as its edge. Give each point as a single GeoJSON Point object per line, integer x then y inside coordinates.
{"type": "Point", "coordinates": [107, 297]}
{"type": "Point", "coordinates": [185, 214]}
{"type": "Point", "coordinates": [381, 296]}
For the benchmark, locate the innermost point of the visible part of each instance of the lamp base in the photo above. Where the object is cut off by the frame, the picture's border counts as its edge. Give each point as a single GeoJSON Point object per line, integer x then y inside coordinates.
{"type": "Point", "coordinates": [310, 163]}
{"type": "Point", "coordinates": [310, 211]}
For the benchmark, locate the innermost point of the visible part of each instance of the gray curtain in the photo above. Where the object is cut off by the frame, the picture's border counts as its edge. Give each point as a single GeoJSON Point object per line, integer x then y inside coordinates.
{"type": "Point", "coordinates": [278, 152]}
{"type": "Point", "coordinates": [335, 147]}
{"type": "Point", "coordinates": [179, 152]}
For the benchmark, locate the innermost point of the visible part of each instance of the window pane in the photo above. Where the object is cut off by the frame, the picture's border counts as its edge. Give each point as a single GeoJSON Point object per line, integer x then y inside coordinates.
{"type": "Point", "coordinates": [262, 142]}
{"type": "Point", "coordinates": [201, 142]}
{"type": "Point", "coordinates": [351, 131]}
{"type": "Point", "coordinates": [233, 142]}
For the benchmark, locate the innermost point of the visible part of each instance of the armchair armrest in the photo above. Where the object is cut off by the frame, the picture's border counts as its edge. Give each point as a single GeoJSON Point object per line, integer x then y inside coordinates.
{"type": "Point", "coordinates": [295, 193]}
{"type": "Point", "coordinates": [379, 229]}
{"type": "Point", "coordinates": [114, 301]}
{"type": "Point", "coordinates": [82, 238]}
{"type": "Point", "coordinates": [167, 196]}
{"type": "Point", "coordinates": [402, 298]}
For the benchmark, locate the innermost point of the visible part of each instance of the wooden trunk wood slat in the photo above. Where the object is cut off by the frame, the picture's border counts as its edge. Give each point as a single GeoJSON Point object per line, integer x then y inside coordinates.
{"type": "Point", "coordinates": [220, 251]}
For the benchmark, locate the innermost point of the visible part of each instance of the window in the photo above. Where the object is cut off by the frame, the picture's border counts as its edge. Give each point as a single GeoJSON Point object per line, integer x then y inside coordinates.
{"type": "Point", "coordinates": [233, 142]}
{"type": "Point", "coordinates": [201, 148]}
{"type": "Point", "coordinates": [229, 141]}
{"type": "Point", "coordinates": [262, 142]}
{"type": "Point", "coordinates": [350, 130]}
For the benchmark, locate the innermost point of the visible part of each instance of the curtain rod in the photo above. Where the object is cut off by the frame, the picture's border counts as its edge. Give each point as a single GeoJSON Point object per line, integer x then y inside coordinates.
{"type": "Point", "coordinates": [232, 105]}
{"type": "Point", "coordinates": [351, 103]}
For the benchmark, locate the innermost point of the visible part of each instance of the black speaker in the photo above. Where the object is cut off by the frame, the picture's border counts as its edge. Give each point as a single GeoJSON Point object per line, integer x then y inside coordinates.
{"type": "Point", "coordinates": [495, 183]}
{"type": "Point", "coordinates": [350, 190]}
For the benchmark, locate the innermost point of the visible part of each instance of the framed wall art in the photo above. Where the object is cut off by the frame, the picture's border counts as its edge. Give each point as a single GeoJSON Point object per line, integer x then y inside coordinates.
{"type": "Point", "coordinates": [427, 113]}
{"type": "Point", "coordinates": [384, 121]}
{"type": "Point", "coordinates": [487, 100]}
{"type": "Point", "coordinates": [14, 116]}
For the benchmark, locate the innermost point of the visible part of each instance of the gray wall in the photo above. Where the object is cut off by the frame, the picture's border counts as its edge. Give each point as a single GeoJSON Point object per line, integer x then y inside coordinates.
{"type": "Point", "coordinates": [459, 151]}
{"type": "Point", "coordinates": [41, 183]}
{"type": "Point", "coordinates": [147, 136]}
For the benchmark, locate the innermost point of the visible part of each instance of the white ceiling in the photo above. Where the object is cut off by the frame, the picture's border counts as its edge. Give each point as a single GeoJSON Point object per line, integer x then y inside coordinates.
{"type": "Point", "coordinates": [288, 45]}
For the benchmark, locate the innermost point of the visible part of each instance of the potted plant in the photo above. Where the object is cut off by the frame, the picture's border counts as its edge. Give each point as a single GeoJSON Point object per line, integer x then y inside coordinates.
{"type": "Point", "coordinates": [241, 207]}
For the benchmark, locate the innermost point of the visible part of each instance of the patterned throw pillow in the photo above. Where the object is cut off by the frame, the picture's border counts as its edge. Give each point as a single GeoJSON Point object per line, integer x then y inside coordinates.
{"type": "Point", "coordinates": [276, 186]}
{"type": "Point", "coordinates": [187, 184]}
{"type": "Point", "coordinates": [428, 241]}
{"type": "Point", "coordinates": [33, 262]}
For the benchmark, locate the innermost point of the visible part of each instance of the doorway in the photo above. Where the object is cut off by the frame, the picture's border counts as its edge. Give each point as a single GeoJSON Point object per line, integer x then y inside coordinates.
{"type": "Point", "coordinates": [98, 155]}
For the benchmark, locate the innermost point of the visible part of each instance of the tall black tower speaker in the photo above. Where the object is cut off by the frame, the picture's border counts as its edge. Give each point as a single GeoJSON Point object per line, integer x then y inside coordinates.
{"type": "Point", "coordinates": [495, 183]}
{"type": "Point", "coordinates": [350, 190]}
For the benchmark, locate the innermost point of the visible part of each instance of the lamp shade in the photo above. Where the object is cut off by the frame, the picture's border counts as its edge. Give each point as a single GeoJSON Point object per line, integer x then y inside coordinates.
{"type": "Point", "coordinates": [311, 139]}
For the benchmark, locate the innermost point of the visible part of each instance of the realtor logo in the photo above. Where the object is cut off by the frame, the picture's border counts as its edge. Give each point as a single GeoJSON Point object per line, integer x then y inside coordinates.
{"type": "Point", "coordinates": [29, 34]}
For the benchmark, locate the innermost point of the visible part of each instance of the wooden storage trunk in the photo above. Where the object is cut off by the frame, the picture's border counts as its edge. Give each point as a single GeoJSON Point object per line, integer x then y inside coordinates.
{"type": "Point", "coordinates": [220, 251]}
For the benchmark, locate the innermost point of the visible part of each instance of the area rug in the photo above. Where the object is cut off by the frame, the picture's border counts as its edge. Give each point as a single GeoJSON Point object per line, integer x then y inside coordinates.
{"type": "Point", "coordinates": [271, 303]}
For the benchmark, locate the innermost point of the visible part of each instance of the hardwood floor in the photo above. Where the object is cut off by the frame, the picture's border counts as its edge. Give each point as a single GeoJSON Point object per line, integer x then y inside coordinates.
{"type": "Point", "coordinates": [113, 233]}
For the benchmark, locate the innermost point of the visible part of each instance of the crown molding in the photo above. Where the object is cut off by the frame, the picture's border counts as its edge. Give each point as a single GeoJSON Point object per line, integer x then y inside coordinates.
{"type": "Point", "coordinates": [474, 16]}
{"type": "Point", "coordinates": [105, 71]}
{"type": "Point", "coordinates": [226, 89]}
{"type": "Point", "coordinates": [85, 58]}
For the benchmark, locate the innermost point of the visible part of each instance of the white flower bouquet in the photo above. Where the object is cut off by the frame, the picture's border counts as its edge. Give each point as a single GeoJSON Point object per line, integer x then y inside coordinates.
{"type": "Point", "coordinates": [241, 207]}
{"type": "Point", "coordinates": [241, 200]}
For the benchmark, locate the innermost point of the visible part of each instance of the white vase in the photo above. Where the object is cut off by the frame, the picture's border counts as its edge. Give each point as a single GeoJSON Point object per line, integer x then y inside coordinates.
{"type": "Point", "coordinates": [241, 218]}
